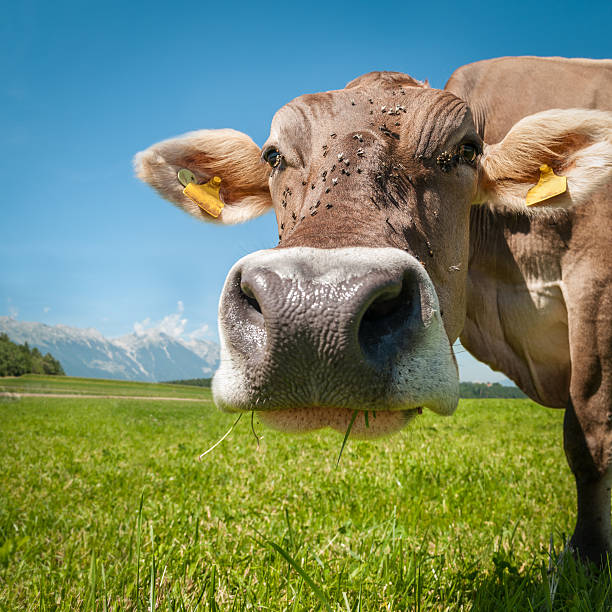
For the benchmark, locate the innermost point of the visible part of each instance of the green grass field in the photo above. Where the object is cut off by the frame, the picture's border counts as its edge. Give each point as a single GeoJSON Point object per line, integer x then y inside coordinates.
{"type": "Point", "coordinates": [104, 506]}
{"type": "Point", "coordinates": [37, 383]}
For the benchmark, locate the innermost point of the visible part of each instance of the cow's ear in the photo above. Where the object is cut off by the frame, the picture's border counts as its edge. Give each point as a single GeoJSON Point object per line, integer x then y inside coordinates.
{"type": "Point", "coordinates": [230, 155]}
{"type": "Point", "coordinates": [553, 159]}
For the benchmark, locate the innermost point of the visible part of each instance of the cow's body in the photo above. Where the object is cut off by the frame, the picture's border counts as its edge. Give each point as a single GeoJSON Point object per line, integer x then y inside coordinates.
{"type": "Point", "coordinates": [519, 266]}
{"type": "Point", "coordinates": [539, 299]}
{"type": "Point", "coordinates": [327, 324]}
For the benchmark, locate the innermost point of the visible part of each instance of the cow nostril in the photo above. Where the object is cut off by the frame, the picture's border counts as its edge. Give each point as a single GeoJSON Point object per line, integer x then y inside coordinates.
{"type": "Point", "coordinates": [388, 316]}
{"type": "Point", "coordinates": [384, 306]}
{"type": "Point", "coordinates": [250, 298]}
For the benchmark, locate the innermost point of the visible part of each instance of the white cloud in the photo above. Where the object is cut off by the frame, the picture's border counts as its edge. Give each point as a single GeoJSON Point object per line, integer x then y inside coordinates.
{"type": "Point", "coordinates": [173, 325]}
{"type": "Point", "coordinates": [200, 333]}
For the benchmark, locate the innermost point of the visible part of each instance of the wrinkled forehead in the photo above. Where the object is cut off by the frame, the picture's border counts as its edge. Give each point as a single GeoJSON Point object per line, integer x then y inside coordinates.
{"type": "Point", "coordinates": [420, 117]}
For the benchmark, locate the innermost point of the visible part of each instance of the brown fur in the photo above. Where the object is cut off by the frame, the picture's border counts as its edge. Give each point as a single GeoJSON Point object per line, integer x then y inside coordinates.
{"type": "Point", "coordinates": [571, 252]}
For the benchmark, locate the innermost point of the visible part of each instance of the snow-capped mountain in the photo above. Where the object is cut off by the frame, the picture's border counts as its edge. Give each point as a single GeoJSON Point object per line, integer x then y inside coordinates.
{"type": "Point", "coordinates": [149, 356]}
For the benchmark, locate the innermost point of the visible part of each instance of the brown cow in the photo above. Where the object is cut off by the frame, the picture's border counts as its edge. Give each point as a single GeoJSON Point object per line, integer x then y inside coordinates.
{"type": "Point", "coordinates": [403, 224]}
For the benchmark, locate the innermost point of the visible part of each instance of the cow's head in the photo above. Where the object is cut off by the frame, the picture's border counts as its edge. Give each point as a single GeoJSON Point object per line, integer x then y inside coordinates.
{"type": "Point", "coordinates": [358, 306]}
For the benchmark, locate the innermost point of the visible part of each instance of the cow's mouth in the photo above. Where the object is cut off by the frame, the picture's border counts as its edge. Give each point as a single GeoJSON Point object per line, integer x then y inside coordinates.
{"type": "Point", "coordinates": [365, 424]}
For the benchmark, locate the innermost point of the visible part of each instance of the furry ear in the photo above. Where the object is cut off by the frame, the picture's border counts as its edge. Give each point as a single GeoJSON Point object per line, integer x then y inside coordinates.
{"type": "Point", "coordinates": [228, 154]}
{"type": "Point", "coordinates": [574, 143]}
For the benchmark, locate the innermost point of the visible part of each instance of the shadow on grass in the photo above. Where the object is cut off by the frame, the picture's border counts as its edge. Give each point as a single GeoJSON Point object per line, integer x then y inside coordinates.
{"type": "Point", "coordinates": [502, 583]}
{"type": "Point", "coordinates": [563, 584]}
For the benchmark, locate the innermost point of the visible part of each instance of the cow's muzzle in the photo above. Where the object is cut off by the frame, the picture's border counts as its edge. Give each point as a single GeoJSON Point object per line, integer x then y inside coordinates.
{"type": "Point", "coordinates": [310, 335]}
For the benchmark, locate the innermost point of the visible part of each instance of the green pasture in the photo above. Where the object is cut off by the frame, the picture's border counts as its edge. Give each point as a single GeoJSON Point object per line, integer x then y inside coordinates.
{"type": "Point", "coordinates": [104, 506]}
{"type": "Point", "coordinates": [36, 383]}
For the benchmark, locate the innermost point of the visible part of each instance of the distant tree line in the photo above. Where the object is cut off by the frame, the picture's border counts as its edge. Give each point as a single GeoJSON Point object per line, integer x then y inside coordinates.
{"type": "Point", "coordinates": [194, 382]}
{"type": "Point", "coordinates": [473, 390]}
{"type": "Point", "coordinates": [18, 359]}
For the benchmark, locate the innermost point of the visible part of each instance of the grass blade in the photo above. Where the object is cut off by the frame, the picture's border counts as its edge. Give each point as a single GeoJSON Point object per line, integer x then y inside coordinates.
{"type": "Point", "coordinates": [138, 542]}
{"type": "Point", "coordinates": [300, 570]}
{"type": "Point", "coordinates": [153, 572]}
{"type": "Point", "coordinates": [346, 435]}
{"type": "Point", "coordinates": [253, 427]}
{"type": "Point", "coordinates": [227, 433]}
{"type": "Point", "coordinates": [104, 591]}
{"type": "Point", "coordinates": [211, 598]}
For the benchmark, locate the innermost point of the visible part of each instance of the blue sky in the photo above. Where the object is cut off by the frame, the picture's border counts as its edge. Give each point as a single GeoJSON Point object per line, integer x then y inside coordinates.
{"type": "Point", "coordinates": [86, 85]}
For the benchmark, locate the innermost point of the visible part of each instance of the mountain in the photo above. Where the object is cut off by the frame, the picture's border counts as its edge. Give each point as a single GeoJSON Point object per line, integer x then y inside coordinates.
{"type": "Point", "coordinates": [148, 356]}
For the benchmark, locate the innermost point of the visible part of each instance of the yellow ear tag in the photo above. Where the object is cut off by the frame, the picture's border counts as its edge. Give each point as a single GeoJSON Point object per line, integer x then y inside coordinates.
{"type": "Point", "coordinates": [549, 186]}
{"type": "Point", "coordinates": [205, 196]}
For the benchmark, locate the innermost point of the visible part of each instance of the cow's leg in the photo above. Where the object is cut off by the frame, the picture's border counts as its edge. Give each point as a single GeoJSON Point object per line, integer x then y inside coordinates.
{"type": "Point", "coordinates": [588, 417]}
{"type": "Point", "coordinates": [592, 538]}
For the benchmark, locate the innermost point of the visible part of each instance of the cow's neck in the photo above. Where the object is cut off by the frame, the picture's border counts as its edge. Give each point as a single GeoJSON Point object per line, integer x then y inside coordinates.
{"type": "Point", "coordinates": [516, 315]}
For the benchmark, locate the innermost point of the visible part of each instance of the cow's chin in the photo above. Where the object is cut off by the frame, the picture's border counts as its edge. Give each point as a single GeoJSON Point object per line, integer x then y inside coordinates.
{"type": "Point", "coordinates": [365, 426]}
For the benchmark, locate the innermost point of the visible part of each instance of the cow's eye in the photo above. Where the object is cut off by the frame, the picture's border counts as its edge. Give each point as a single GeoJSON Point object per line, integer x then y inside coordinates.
{"type": "Point", "coordinates": [468, 152]}
{"type": "Point", "coordinates": [272, 156]}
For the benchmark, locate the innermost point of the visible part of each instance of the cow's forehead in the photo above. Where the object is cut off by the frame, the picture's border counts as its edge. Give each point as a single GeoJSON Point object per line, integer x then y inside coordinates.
{"type": "Point", "coordinates": [422, 116]}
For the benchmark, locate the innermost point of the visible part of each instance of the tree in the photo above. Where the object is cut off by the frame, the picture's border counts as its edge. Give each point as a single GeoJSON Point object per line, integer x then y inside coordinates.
{"type": "Point", "coordinates": [473, 390]}
{"type": "Point", "coordinates": [17, 359]}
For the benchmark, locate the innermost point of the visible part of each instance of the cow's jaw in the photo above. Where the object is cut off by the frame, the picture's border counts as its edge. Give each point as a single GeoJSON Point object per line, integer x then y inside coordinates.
{"type": "Point", "coordinates": [308, 336]}
{"type": "Point", "coordinates": [361, 424]}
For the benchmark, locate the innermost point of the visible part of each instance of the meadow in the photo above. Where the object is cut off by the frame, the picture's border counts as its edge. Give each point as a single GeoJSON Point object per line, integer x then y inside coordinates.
{"type": "Point", "coordinates": [105, 506]}
{"type": "Point", "coordinates": [38, 383]}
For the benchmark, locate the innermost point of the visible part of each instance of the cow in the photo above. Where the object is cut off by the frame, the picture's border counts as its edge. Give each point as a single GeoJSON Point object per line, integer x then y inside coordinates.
{"type": "Point", "coordinates": [403, 225]}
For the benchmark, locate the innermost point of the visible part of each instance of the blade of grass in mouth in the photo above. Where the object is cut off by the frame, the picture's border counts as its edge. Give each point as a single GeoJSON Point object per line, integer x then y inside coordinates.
{"type": "Point", "coordinates": [253, 427]}
{"type": "Point", "coordinates": [229, 431]}
{"type": "Point", "coordinates": [346, 435]}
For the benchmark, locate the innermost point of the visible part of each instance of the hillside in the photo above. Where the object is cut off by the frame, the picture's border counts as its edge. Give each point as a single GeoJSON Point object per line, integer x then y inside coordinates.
{"type": "Point", "coordinates": [148, 356]}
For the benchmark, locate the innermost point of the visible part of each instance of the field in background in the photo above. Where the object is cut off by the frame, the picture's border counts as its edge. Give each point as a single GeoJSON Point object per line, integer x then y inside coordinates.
{"type": "Point", "coordinates": [34, 383]}
{"type": "Point", "coordinates": [103, 505]}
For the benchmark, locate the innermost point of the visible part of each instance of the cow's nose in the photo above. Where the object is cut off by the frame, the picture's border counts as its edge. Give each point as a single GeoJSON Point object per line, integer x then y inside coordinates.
{"type": "Point", "coordinates": [322, 312]}
{"type": "Point", "coordinates": [356, 314]}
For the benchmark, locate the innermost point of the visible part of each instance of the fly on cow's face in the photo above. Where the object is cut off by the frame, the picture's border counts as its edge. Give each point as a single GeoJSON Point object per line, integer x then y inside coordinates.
{"type": "Point", "coordinates": [466, 152]}
{"type": "Point", "coordinates": [445, 161]}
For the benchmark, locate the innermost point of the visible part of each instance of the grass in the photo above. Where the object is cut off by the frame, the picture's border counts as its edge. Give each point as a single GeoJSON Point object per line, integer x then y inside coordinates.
{"type": "Point", "coordinates": [104, 506]}
{"type": "Point", "coordinates": [36, 383]}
